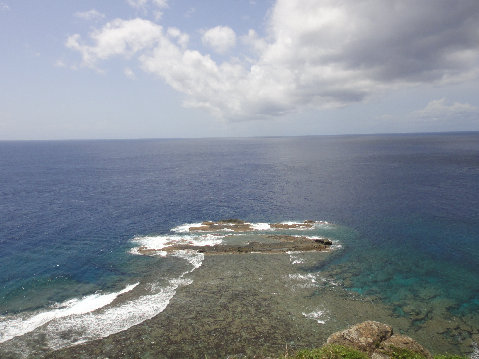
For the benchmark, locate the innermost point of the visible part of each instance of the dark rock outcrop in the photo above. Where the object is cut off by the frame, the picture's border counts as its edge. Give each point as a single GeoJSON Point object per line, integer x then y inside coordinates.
{"type": "Point", "coordinates": [298, 239]}
{"type": "Point", "coordinates": [281, 244]}
{"type": "Point", "coordinates": [305, 225]}
{"type": "Point", "coordinates": [377, 340]}
{"type": "Point", "coordinates": [237, 225]}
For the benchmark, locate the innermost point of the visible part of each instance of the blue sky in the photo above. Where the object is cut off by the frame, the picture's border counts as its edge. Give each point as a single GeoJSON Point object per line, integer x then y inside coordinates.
{"type": "Point", "coordinates": [166, 68]}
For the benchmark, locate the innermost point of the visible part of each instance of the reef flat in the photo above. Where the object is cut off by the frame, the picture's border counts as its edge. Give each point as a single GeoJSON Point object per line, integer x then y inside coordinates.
{"type": "Point", "coordinates": [240, 290]}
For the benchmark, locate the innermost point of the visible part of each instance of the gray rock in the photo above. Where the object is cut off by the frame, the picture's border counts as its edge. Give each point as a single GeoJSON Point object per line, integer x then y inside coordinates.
{"type": "Point", "coordinates": [402, 342]}
{"type": "Point", "coordinates": [365, 336]}
{"type": "Point", "coordinates": [377, 340]}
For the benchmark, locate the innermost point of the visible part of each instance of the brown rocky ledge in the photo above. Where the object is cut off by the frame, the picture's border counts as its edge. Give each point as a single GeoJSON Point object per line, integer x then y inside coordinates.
{"type": "Point", "coordinates": [237, 225]}
{"type": "Point", "coordinates": [278, 244]}
{"type": "Point", "coordinates": [377, 340]}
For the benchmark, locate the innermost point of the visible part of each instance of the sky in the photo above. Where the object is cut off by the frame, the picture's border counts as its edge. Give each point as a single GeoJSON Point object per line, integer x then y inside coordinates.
{"type": "Point", "coordinates": [226, 68]}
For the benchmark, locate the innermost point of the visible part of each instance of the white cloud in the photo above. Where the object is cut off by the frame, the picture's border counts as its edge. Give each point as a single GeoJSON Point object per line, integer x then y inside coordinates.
{"type": "Point", "coordinates": [60, 63]}
{"type": "Point", "coordinates": [138, 4]}
{"type": "Point", "coordinates": [129, 73]}
{"type": "Point", "coordinates": [254, 41]}
{"type": "Point", "coordinates": [118, 37]}
{"type": "Point", "coordinates": [180, 37]}
{"type": "Point", "coordinates": [157, 6]}
{"type": "Point", "coordinates": [160, 6]}
{"type": "Point", "coordinates": [4, 6]}
{"type": "Point", "coordinates": [445, 110]}
{"type": "Point", "coordinates": [160, 3]}
{"type": "Point", "coordinates": [316, 53]}
{"type": "Point", "coordinates": [90, 15]}
{"type": "Point", "coordinates": [220, 39]}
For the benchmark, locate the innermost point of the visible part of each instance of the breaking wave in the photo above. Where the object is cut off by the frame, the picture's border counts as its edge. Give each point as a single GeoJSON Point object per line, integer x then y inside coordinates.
{"type": "Point", "coordinates": [94, 316]}
{"type": "Point", "coordinates": [11, 327]}
{"type": "Point", "coordinates": [259, 226]}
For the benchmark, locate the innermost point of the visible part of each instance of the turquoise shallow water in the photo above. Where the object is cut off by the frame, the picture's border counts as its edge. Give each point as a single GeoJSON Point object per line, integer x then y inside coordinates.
{"type": "Point", "coordinates": [406, 210]}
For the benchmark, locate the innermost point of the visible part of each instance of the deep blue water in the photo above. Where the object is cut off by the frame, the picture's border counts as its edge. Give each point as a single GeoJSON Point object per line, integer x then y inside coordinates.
{"type": "Point", "coordinates": [68, 210]}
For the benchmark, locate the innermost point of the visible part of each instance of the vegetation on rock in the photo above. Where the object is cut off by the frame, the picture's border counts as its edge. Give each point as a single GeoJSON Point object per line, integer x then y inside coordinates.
{"type": "Point", "coordinates": [333, 351]}
{"type": "Point", "coordinates": [369, 340]}
{"type": "Point", "coordinates": [330, 351]}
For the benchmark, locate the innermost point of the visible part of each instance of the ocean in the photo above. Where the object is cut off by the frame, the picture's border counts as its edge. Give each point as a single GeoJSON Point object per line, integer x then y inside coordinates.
{"type": "Point", "coordinates": [402, 212]}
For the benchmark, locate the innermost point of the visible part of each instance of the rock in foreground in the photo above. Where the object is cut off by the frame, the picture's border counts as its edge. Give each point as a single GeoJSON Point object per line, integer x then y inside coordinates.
{"type": "Point", "coordinates": [377, 340]}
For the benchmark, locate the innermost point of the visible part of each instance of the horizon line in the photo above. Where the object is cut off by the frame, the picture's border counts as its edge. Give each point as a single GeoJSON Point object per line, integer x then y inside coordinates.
{"type": "Point", "coordinates": [240, 137]}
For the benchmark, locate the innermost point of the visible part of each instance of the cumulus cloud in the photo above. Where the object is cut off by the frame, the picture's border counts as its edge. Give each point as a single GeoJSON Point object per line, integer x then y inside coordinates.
{"type": "Point", "coordinates": [157, 6]}
{"type": "Point", "coordinates": [118, 37]}
{"type": "Point", "coordinates": [445, 110]}
{"type": "Point", "coordinates": [316, 53]}
{"type": "Point", "coordinates": [253, 40]}
{"type": "Point", "coordinates": [220, 39]}
{"type": "Point", "coordinates": [90, 15]}
{"type": "Point", "coordinates": [181, 37]}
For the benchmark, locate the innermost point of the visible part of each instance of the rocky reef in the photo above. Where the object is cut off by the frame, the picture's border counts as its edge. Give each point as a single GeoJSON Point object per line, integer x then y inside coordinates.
{"type": "Point", "coordinates": [235, 236]}
{"type": "Point", "coordinates": [237, 225]}
{"type": "Point", "coordinates": [275, 244]}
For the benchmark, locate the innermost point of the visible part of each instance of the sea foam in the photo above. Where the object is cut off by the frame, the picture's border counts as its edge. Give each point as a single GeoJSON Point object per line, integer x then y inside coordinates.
{"type": "Point", "coordinates": [91, 317]}
{"type": "Point", "coordinates": [305, 280]}
{"type": "Point", "coordinates": [112, 320]}
{"type": "Point", "coordinates": [475, 352]}
{"type": "Point", "coordinates": [294, 258]}
{"type": "Point", "coordinates": [317, 315]}
{"type": "Point", "coordinates": [259, 226]}
{"type": "Point", "coordinates": [11, 327]}
{"type": "Point", "coordinates": [185, 228]}
{"type": "Point", "coordinates": [157, 243]}
{"type": "Point", "coordinates": [122, 317]}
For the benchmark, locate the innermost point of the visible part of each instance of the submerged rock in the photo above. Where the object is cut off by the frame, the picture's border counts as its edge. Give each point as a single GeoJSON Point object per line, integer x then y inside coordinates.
{"type": "Point", "coordinates": [377, 340]}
